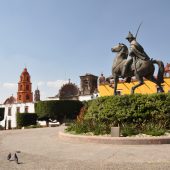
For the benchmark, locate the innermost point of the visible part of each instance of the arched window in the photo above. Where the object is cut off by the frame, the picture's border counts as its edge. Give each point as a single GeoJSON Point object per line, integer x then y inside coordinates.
{"type": "Point", "coordinates": [20, 87]}
{"type": "Point", "coordinates": [27, 97]}
{"type": "Point", "coordinates": [27, 78]}
{"type": "Point", "coordinates": [27, 87]}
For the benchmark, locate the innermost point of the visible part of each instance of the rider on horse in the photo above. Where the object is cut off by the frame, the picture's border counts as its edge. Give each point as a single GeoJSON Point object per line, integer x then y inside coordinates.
{"type": "Point", "coordinates": [135, 51]}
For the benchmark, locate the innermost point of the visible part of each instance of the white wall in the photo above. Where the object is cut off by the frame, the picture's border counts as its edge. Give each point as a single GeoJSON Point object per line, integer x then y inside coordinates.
{"type": "Point", "coordinates": [88, 97]}
{"type": "Point", "coordinates": [12, 117]}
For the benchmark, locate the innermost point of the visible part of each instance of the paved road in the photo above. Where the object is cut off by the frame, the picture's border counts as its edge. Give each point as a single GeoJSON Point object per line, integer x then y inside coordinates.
{"type": "Point", "coordinates": [41, 149]}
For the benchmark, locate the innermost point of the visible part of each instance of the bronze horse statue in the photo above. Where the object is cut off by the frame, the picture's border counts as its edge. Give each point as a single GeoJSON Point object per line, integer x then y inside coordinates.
{"type": "Point", "coordinates": [140, 69]}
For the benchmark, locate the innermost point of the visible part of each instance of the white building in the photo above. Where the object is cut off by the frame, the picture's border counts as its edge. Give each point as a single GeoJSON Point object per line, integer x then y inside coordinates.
{"type": "Point", "coordinates": [11, 110]}
{"type": "Point", "coordinates": [22, 104]}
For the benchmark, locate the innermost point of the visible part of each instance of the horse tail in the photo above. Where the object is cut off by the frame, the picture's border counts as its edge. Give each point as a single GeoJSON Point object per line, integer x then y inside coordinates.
{"type": "Point", "coordinates": [160, 70]}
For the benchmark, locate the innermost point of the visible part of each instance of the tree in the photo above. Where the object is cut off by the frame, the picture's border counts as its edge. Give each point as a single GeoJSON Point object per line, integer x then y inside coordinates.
{"type": "Point", "coordinates": [58, 110]}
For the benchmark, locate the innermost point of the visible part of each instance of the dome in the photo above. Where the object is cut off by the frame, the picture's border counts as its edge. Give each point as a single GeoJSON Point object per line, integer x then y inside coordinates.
{"type": "Point", "coordinates": [10, 100]}
{"type": "Point", "coordinates": [69, 92]}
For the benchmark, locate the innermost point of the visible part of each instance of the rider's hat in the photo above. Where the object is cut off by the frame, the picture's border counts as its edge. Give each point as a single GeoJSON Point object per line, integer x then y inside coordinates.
{"type": "Point", "coordinates": [130, 36]}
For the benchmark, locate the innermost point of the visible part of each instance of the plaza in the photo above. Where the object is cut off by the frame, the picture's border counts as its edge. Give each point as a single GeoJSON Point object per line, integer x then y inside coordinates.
{"type": "Point", "coordinates": [42, 149]}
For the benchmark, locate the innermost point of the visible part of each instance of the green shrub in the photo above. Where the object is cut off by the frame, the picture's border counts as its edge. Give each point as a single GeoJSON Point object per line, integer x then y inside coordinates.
{"type": "Point", "coordinates": [26, 119]}
{"type": "Point", "coordinates": [137, 110]}
{"type": "Point", "coordinates": [78, 127]}
{"type": "Point", "coordinates": [129, 130]}
{"type": "Point", "coordinates": [154, 130]}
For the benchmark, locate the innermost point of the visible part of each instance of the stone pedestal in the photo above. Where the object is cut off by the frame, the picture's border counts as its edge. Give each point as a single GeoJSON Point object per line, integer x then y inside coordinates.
{"type": "Point", "coordinates": [115, 131]}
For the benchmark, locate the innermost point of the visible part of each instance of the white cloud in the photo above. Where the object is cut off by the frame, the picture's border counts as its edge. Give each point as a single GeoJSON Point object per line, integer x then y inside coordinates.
{"type": "Point", "coordinates": [56, 84]}
{"type": "Point", "coordinates": [40, 83]}
{"type": "Point", "coordinates": [9, 85]}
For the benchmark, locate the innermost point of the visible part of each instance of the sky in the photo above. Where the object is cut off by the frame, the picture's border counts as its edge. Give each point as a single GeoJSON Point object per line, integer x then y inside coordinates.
{"type": "Point", "coordinates": [61, 39]}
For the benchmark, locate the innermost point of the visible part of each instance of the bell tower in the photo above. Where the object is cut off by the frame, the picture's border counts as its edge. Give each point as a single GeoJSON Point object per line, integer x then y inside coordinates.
{"type": "Point", "coordinates": [37, 95]}
{"type": "Point", "coordinates": [24, 93]}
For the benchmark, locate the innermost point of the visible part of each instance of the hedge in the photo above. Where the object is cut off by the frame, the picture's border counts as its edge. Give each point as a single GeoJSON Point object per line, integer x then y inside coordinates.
{"type": "Point", "coordinates": [26, 119]}
{"type": "Point", "coordinates": [58, 110]}
{"type": "Point", "coordinates": [138, 111]}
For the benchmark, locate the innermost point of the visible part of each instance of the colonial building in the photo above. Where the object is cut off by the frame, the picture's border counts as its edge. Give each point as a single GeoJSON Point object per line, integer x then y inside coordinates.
{"type": "Point", "coordinates": [11, 109]}
{"type": "Point", "coordinates": [70, 91]}
{"type": "Point", "coordinates": [22, 104]}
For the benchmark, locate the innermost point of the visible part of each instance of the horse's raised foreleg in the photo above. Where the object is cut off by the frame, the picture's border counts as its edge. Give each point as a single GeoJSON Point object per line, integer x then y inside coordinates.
{"type": "Point", "coordinates": [116, 78]}
{"type": "Point", "coordinates": [141, 82]}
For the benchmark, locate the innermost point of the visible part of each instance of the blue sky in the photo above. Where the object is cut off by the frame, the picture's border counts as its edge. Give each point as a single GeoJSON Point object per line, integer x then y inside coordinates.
{"type": "Point", "coordinates": [61, 39]}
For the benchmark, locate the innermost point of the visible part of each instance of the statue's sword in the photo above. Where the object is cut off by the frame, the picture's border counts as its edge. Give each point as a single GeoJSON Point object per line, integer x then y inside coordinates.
{"type": "Point", "coordinates": [136, 38]}
{"type": "Point", "coordinates": [138, 30]}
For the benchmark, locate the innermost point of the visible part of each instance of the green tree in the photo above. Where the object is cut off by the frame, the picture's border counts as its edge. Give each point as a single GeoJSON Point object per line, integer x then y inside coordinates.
{"type": "Point", "coordinates": [58, 110]}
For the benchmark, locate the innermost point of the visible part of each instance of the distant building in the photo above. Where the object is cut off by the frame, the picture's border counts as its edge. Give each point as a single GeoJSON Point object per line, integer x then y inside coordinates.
{"type": "Point", "coordinates": [22, 104]}
{"type": "Point", "coordinates": [70, 91]}
{"type": "Point", "coordinates": [88, 84]}
{"type": "Point", "coordinates": [24, 93]}
{"type": "Point", "coordinates": [10, 113]}
{"type": "Point", "coordinates": [10, 100]}
{"type": "Point", "coordinates": [124, 88]}
{"type": "Point", "coordinates": [37, 95]}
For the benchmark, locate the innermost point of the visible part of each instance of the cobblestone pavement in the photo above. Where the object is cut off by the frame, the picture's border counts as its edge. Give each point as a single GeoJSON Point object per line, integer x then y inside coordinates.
{"type": "Point", "coordinates": [41, 149]}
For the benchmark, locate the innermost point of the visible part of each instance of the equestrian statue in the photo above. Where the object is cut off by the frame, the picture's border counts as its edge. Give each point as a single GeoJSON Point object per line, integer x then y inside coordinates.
{"type": "Point", "coordinates": [138, 64]}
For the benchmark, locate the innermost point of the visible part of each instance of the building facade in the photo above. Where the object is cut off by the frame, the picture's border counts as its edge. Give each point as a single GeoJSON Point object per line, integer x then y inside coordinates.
{"type": "Point", "coordinates": [11, 111]}
{"type": "Point", "coordinates": [124, 88]}
{"type": "Point", "coordinates": [22, 104]}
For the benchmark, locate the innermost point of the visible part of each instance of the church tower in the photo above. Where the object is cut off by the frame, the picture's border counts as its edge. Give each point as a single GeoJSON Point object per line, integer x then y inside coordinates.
{"type": "Point", "coordinates": [37, 95]}
{"type": "Point", "coordinates": [88, 84]}
{"type": "Point", "coordinates": [24, 93]}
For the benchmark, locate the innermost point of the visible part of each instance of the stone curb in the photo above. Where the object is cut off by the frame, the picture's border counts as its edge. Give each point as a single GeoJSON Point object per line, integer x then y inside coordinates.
{"type": "Point", "coordinates": [116, 140]}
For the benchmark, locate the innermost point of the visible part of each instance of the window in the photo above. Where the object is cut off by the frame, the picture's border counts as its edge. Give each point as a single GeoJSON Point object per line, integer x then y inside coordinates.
{"type": "Point", "coordinates": [26, 109]}
{"type": "Point", "coordinates": [27, 87]}
{"type": "Point", "coordinates": [19, 97]}
{"type": "Point", "coordinates": [9, 111]}
{"type": "Point", "coordinates": [27, 97]}
{"type": "Point", "coordinates": [18, 110]}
